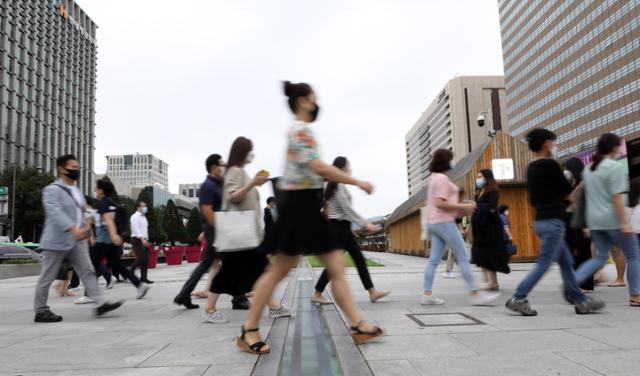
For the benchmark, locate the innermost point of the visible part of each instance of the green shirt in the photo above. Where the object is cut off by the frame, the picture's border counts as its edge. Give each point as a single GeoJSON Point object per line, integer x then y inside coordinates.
{"type": "Point", "coordinates": [601, 185]}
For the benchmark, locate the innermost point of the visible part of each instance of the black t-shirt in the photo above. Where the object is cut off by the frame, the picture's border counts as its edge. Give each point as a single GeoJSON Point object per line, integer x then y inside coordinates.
{"type": "Point", "coordinates": [105, 205]}
{"type": "Point", "coordinates": [210, 194]}
{"type": "Point", "coordinates": [548, 188]}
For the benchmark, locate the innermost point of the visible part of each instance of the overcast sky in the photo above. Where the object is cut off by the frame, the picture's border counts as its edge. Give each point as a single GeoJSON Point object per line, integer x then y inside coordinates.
{"type": "Point", "coordinates": [183, 79]}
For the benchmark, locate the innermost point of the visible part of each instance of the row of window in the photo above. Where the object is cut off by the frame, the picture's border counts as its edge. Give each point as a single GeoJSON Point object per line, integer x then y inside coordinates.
{"type": "Point", "coordinates": [589, 90]}
{"type": "Point", "coordinates": [535, 79]}
{"type": "Point", "coordinates": [516, 10]}
{"type": "Point", "coordinates": [35, 11]}
{"type": "Point", "coordinates": [591, 143]}
{"type": "Point", "coordinates": [548, 51]}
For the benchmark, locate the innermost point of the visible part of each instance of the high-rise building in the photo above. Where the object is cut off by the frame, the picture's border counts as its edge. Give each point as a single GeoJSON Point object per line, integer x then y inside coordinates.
{"type": "Point", "coordinates": [450, 122]}
{"type": "Point", "coordinates": [190, 190]}
{"type": "Point", "coordinates": [572, 67]}
{"type": "Point", "coordinates": [47, 85]}
{"type": "Point", "coordinates": [139, 170]}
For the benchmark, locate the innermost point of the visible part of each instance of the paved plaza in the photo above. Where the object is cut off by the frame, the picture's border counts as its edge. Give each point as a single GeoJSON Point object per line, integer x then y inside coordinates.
{"type": "Point", "coordinates": [155, 337]}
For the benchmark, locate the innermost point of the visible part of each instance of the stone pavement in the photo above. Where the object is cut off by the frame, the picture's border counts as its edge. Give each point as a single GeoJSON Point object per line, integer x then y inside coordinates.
{"type": "Point", "coordinates": [154, 337]}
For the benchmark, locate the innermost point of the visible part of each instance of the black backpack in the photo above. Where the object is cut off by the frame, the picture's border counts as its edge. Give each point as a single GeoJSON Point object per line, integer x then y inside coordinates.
{"type": "Point", "coordinates": [122, 222]}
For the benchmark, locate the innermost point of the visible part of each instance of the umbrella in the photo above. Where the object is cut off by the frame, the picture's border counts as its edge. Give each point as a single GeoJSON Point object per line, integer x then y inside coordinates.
{"type": "Point", "coordinates": [17, 252]}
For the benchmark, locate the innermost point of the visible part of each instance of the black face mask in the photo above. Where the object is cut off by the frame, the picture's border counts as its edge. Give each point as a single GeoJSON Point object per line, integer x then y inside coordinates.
{"type": "Point", "coordinates": [73, 174]}
{"type": "Point", "coordinates": [314, 113]}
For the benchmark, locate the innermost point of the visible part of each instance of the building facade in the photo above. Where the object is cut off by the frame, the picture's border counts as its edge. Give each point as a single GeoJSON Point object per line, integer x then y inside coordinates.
{"type": "Point", "coordinates": [449, 122]}
{"type": "Point", "coordinates": [159, 196]}
{"type": "Point", "coordinates": [572, 67]}
{"type": "Point", "coordinates": [48, 64]}
{"type": "Point", "coordinates": [139, 170]}
{"type": "Point", "coordinates": [191, 191]}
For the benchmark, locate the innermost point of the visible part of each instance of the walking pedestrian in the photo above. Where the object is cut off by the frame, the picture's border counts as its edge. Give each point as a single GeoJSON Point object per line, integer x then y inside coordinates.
{"type": "Point", "coordinates": [64, 236]}
{"type": "Point", "coordinates": [210, 201]}
{"type": "Point", "coordinates": [301, 228]}
{"type": "Point", "coordinates": [578, 240]}
{"type": "Point", "coordinates": [548, 188]}
{"type": "Point", "coordinates": [240, 269]}
{"type": "Point", "coordinates": [443, 207]}
{"type": "Point", "coordinates": [269, 217]}
{"type": "Point", "coordinates": [463, 226]}
{"type": "Point", "coordinates": [108, 240]}
{"type": "Point", "coordinates": [140, 241]}
{"type": "Point", "coordinates": [341, 216]}
{"type": "Point", "coordinates": [506, 223]}
{"type": "Point", "coordinates": [489, 249]}
{"type": "Point", "coordinates": [605, 183]}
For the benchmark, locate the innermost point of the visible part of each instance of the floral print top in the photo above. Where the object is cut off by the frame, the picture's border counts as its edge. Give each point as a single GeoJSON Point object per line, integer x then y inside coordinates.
{"type": "Point", "coordinates": [302, 148]}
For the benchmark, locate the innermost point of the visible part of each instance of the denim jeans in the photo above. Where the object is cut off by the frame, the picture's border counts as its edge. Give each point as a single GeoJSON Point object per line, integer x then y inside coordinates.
{"type": "Point", "coordinates": [447, 234]}
{"type": "Point", "coordinates": [553, 248]}
{"type": "Point", "coordinates": [604, 240]}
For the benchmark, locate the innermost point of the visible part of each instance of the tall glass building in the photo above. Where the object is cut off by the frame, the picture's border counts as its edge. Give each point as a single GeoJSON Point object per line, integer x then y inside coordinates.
{"type": "Point", "coordinates": [47, 85]}
{"type": "Point", "coordinates": [573, 67]}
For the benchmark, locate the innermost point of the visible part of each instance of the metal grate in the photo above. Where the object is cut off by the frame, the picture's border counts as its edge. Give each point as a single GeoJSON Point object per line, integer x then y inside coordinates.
{"type": "Point", "coordinates": [444, 319]}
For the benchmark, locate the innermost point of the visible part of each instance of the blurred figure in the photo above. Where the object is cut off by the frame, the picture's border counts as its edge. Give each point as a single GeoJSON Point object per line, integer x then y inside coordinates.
{"type": "Point", "coordinates": [341, 215]}
{"type": "Point", "coordinates": [489, 248]}
{"type": "Point", "coordinates": [605, 183]}
{"type": "Point", "coordinates": [269, 217]}
{"type": "Point", "coordinates": [503, 210]}
{"type": "Point", "coordinates": [139, 241]}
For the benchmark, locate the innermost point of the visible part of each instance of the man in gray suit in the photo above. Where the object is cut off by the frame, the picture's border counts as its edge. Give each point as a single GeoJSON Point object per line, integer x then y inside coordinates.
{"type": "Point", "coordinates": [65, 236]}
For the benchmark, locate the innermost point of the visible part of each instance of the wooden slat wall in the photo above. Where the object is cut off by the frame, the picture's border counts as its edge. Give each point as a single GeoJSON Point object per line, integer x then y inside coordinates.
{"type": "Point", "coordinates": [405, 236]}
{"type": "Point", "coordinates": [521, 217]}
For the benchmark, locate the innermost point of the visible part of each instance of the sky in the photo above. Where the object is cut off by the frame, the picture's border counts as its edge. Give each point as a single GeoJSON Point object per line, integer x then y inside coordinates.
{"type": "Point", "coordinates": [182, 79]}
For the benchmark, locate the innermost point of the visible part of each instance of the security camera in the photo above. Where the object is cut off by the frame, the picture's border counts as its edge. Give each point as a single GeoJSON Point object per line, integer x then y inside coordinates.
{"type": "Point", "coordinates": [480, 120]}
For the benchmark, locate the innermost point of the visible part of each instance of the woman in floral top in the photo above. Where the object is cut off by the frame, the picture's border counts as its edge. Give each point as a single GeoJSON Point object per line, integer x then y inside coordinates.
{"type": "Point", "coordinates": [301, 229]}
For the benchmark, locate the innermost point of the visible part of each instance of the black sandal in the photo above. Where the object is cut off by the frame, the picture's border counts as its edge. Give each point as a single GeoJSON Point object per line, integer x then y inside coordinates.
{"type": "Point", "coordinates": [361, 337]}
{"type": "Point", "coordinates": [254, 348]}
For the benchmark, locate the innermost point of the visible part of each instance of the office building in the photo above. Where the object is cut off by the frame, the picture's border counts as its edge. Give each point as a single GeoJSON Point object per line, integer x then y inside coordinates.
{"type": "Point", "coordinates": [449, 122]}
{"type": "Point", "coordinates": [47, 85]}
{"type": "Point", "coordinates": [572, 67]}
{"type": "Point", "coordinates": [191, 191]}
{"type": "Point", "coordinates": [159, 196]}
{"type": "Point", "coordinates": [122, 187]}
{"type": "Point", "coordinates": [139, 170]}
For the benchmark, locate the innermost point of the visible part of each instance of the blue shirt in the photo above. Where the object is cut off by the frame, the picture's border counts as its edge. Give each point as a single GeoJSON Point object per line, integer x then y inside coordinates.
{"type": "Point", "coordinates": [210, 194]}
{"type": "Point", "coordinates": [105, 206]}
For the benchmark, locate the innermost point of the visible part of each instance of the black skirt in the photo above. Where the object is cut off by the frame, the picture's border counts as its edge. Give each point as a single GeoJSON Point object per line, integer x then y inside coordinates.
{"type": "Point", "coordinates": [301, 229]}
{"type": "Point", "coordinates": [239, 272]}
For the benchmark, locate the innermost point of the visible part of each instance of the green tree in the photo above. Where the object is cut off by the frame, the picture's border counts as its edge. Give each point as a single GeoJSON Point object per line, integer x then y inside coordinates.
{"type": "Point", "coordinates": [194, 227]}
{"type": "Point", "coordinates": [29, 215]}
{"type": "Point", "coordinates": [157, 234]}
{"type": "Point", "coordinates": [172, 224]}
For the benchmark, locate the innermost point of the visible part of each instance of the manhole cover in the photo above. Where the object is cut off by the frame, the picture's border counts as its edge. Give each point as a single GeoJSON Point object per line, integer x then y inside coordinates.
{"type": "Point", "coordinates": [444, 319]}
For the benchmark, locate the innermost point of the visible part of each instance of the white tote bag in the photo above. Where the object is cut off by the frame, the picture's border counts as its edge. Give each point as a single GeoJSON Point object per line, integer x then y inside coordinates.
{"type": "Point", "coordinates": [236, 231]}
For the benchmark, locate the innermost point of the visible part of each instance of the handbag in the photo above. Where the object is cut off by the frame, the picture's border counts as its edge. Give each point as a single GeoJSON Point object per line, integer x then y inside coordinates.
{"type": "Point", "coordinates": [236, 231]}
{"type": "Point", "coordinates": [578, 219]}
{"type": "Point", "coordinates": [511, 249]}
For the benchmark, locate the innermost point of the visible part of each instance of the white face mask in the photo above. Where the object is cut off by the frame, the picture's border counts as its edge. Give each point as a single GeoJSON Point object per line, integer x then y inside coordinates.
{"type": "Point", "coordinates": [554, 151]}
{"type": "Point", "coordinates": [568, 175]}
{"type": "Point", "coordinates": [250, 158]}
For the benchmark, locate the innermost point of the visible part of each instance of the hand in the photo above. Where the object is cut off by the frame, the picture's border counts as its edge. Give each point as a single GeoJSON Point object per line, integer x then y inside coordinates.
{"type": "Point", "coordinates": [145, 243]}
{"type": "Point", "coordinates": [365, 186]}
{"type": "Point", "coordinates": [470, 207]}
{"type": "Point", "coordinates": [259, 181]}
{"type": "Point", "coordinates": [626, 229]}
{"type": "Point", "coordinates": [117, 240]}
{"type": "Point", "coordinates": [371, 227]}
{"type": "Point", "coordinates": [587, 233]}
{"type": "Point", "coordinates": [78, 233]}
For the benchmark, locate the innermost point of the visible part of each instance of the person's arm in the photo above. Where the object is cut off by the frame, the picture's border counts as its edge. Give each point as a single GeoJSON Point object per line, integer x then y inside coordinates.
{"type": "Point", "coordinates": [493, 197]}
{"type": "Point", "coordinates": [557, 179]}
{"type": "Point", "coordinates": [236, 191]}
{"type": "Point", "coordinates": [619, 184]}
{"type": "Point", "coordinates": [507, 231]}
{"type": "Point", "coordinates": [53, 209]}
{"type": "Point", "coordinates": [336, 175]}
{"type": "Point", "coordinates": [209, 214]}
{"type": "Point", "coordinates": [449, 206]}
{"type": "Point", "coordinates": [341, 197]}
{"type": "Point", "coordinates": [438, 188]}
{"type": "Point", "coordinates": [107, 219]}
{"type": "Point", "coordinates": [618, 203]}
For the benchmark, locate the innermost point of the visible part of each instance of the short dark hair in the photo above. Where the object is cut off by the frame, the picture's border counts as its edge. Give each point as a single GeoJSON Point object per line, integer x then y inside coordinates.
{"type": "Point", "coordinates": [106, 187]}
{"type": "Point", "coordinates": [212, 161]}
{"type": "Point", "coordinates": [441, 160]}
{"type": "Point", "coordinates": [270, 200]}
{"type": "Point", "coordinates": [62, 160]}
{"type": "Point", "coordinates": [537, 137]}
{"type": "Point", "coordinates": [139, 203]}
{"type": "Point", "coordinates": [90, 201]}
{"type": "Point", "coordinates": [503, 208]}
{"type": "Point", "coordinates": [295, 91]}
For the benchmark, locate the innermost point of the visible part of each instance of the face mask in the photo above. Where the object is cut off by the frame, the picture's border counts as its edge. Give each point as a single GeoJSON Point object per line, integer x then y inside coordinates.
{"type": "Point", "coordinates": [73, 174]}
{"type": "Point", "coordinates": [222, 171]}
{"type": "Point", "coordinates": [568, 175]}
{"type": "Point", "coordinates": [314, 113]}
{"type": "Point", "coordinates": [452, 165]}
{"type": "Point", "coordinates": [250, 158]}
{"type": "Point", "coordinates": [479, 183]}
{"type": "Point", "coordinates": [145, 210]}
{"type": "Point", "coordinates": [274, 213]}
{"type": "Point", "coordinates": [554, 151]}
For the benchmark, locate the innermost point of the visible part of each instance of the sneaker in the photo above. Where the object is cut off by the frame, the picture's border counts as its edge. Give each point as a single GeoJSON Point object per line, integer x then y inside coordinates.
{"type": "Point", "coordinates": [590, 306]}
{"type": "Point", "coordinates": [431, 300]}
{"type": "Point", "coordinates": [483, 298]}
{"type": "Point", "coordinates": [110, 284]}
{"type": "Point", "coordinates": [84, 300]}
{"type": "Point", "coordinates": [214, 317]}
{"type": "Point", "coordinates": [186, 302]}
{"type": "Point", "coordinates": [521, 306]}
{"type": "Point", "coordinates": [449, 275]}
{"type": "Point", "coordinates": [280, 312]}
{"type": "Point", "coordinates": [143, 289]}
{"type": "Point", "coordinates": [108, 307]}
{"type": "Point", "coordinates": [47, 316]}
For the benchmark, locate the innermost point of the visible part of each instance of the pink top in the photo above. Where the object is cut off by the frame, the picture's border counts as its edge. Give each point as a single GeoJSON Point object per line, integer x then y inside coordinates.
{"type": "Point", "coordinates": [441, 187]}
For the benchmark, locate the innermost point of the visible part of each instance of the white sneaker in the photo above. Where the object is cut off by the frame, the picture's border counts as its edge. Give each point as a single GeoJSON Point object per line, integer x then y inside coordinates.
{"type": "Point", "coordinates": [143, 289]}
{"type": "Point", "coordinates": [111, 283]}
{"type": "Point", "coordinates": [449, 275]}
{"type": "Point", "coordinates": [214, 317]}
{"type": "Point", "coordinates": [483, 298]}
{"type": "Point", "coordinates": [431, 300]}
{"type": "Point", "coordinates": [281, 312]}
{"type": "Point", "coordinates": [84, 300]}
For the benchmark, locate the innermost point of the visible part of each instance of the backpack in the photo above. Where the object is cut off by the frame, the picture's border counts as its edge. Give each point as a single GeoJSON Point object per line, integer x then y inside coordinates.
{"type": "Point", "coordinates": [122, 222]}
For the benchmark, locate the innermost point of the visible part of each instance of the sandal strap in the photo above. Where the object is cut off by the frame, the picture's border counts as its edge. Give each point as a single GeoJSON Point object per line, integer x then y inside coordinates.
{"type": "Point", "coordinates": [376, 330]}
{"type": "Point", "coordinates": [249, 330]}
{"type": "Point", "coordinates": [257, 346]}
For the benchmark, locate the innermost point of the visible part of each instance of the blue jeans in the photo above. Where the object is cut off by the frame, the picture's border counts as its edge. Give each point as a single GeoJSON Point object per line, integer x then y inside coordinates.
{"type": "Point", "coordinates": [447, 234]}
{"type": "Point", "coordinates": [553, 248]}
{"type": "Point", "coordinates": [604, 240]}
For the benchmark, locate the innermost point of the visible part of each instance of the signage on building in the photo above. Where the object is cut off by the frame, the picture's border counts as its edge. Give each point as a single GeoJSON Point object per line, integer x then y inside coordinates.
{"type": "Point", "coordinates": [63, 11]}
{"type": "Point", "coordinates": [502, 169]}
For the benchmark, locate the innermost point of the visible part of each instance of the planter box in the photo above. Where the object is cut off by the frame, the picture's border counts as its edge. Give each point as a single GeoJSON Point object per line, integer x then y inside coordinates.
{"type": "Point", "coordinates": [193, 254]}
{"type": "Point", "coordinates": [173, 255]}
{"type": "Point", "coordinates": [153, 257]}
{"type": "Point", "coordinates": [19, 270]}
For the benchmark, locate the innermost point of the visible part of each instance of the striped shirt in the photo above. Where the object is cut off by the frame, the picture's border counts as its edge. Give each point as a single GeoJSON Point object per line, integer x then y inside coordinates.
{"type": "Point", "coordinates": [340, 208]}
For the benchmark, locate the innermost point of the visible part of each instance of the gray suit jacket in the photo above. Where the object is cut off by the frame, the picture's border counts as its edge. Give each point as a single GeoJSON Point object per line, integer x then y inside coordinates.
{"type": "Point", "coordinates": [60, 215]}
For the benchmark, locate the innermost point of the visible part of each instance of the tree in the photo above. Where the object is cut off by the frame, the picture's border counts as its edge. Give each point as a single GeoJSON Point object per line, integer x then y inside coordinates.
{"type": "Point", "coordinates": [172, 224]}
{"type": "Point", "coordinates": [29, 215]}
{"type": "Point", "coordinates": [154, 217]}
{"type": "Point", "coordinates": [194, 227]}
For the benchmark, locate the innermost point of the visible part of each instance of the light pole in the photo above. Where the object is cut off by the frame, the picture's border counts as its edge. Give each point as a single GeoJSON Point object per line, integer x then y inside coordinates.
{"type": "Point", "coordinates": [13, 204]}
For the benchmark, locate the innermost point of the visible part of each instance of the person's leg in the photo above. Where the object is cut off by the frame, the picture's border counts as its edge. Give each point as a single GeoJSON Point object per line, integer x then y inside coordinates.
{"type": "Point", "coordinates": [144, 263]}
{"type": "Point", "coordinates": [323, 281]}
{"type": "Point", "coordinates": [136, 251]}
{"type": "Point", "coordinates": [571, 284]}
{"type": "Point", "coordinates": [435, 256]}
{"type": "Point", "coordinates": [451, 259]}
{"type": "Point", "coordinates": [629, 246]}
{"type": "Point", "coordinates": [621, 265]}
{"type": "Point", "coordinates": [196, 275]}
{"type": "Point", "coordinates": [603, 243]}
{"type": "Point", "coordinates": [79, 258]}
{"type": "Point", "coordinates": [98, 253]}
{"type": "Point", "coordinates": [75, 281]}
{"type": "Point", "coordinates": [354, 250]}
{"type": "Point", "coordinates": [50, 268]}
{"type": "Point", "coordinates": [334, 262]}
{"type": "Point", "coordinates": [449, 233]}
{"type": "Point", "coordinates": [113, 255]}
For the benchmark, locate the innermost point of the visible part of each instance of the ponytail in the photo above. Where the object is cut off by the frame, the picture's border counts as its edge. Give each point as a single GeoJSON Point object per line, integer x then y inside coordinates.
{"type": "Point", "coordinates": [339, 162]}
{"type": "Point", "coordinates": [606, 144]}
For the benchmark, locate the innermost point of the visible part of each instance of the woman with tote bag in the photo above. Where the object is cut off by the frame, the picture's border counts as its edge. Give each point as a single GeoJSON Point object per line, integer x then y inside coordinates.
{"type": "Point", "coordinates": [241, 268]}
